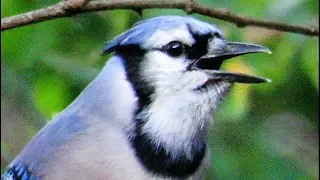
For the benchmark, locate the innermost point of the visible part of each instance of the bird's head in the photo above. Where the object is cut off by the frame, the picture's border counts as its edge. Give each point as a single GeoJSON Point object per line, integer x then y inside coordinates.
{"type": "Point", "coordinates": [172, 63]}
{"type": "Point", "coordinates": [171, 55]}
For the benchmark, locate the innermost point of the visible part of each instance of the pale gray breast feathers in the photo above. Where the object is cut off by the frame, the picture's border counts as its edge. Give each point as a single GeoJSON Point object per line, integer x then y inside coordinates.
{"type": "Point", "coordinates": [108, 101]}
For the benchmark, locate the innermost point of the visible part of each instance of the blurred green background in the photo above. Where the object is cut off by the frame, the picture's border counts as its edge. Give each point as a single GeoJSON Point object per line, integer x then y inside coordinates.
{"type": "Point", "coordinates": [265, 131]}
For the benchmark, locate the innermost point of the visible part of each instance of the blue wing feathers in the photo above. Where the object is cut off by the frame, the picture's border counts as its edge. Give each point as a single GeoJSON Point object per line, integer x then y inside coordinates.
{"type": "Point", "coordinates": [17, 172]}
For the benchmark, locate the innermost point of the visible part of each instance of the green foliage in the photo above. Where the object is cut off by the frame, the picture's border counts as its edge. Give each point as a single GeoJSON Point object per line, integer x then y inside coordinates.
{"type": "Point", "coordinates": [265, 131]}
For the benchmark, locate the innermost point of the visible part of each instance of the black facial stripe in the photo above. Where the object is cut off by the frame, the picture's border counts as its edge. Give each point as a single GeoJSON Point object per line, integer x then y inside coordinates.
{"type": "Point", "coordinates": [160, 161]}
{"type": "Point", "coordinates": [200, 47]}
{"type": "Point", "coordinates": [133, 57]}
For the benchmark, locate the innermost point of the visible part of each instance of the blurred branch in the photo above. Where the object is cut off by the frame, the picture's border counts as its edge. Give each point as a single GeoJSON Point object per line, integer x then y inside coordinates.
{"type": "Point", "coordinates": [189, 6]}
{"type": "Point", "coordinates": [74, 4]}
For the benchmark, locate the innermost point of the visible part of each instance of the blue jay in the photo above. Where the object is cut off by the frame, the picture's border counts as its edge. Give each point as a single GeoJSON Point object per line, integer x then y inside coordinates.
{"type": "Point", "coordinates": [146, 115]}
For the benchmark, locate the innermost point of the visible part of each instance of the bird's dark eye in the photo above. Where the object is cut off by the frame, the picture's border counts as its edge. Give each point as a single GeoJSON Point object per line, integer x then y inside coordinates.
{"type": "Point", "coordinates": [174, 48]}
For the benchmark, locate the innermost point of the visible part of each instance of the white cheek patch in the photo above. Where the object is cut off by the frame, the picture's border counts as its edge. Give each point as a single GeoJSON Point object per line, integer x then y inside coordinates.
{"type": "Point", "coordinates": [160, 38]}
{"type": "Point", "coordinates": [159, 68]}
{"type": "Point", "coordinates": [178, 114]}
{"type": "Point", "coordinates": [168, 75]}
{"type": "Point", "coordinates": [159, 62]}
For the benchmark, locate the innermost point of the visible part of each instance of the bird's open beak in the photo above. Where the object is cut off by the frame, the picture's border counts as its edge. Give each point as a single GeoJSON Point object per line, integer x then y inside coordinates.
{"type": "Point", "coordinates": [211, 62]}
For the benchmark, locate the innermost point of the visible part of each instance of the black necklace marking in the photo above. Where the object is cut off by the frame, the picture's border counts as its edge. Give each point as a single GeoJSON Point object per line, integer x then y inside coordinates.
{"type": "Point", "coordinates": [160, 161]}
